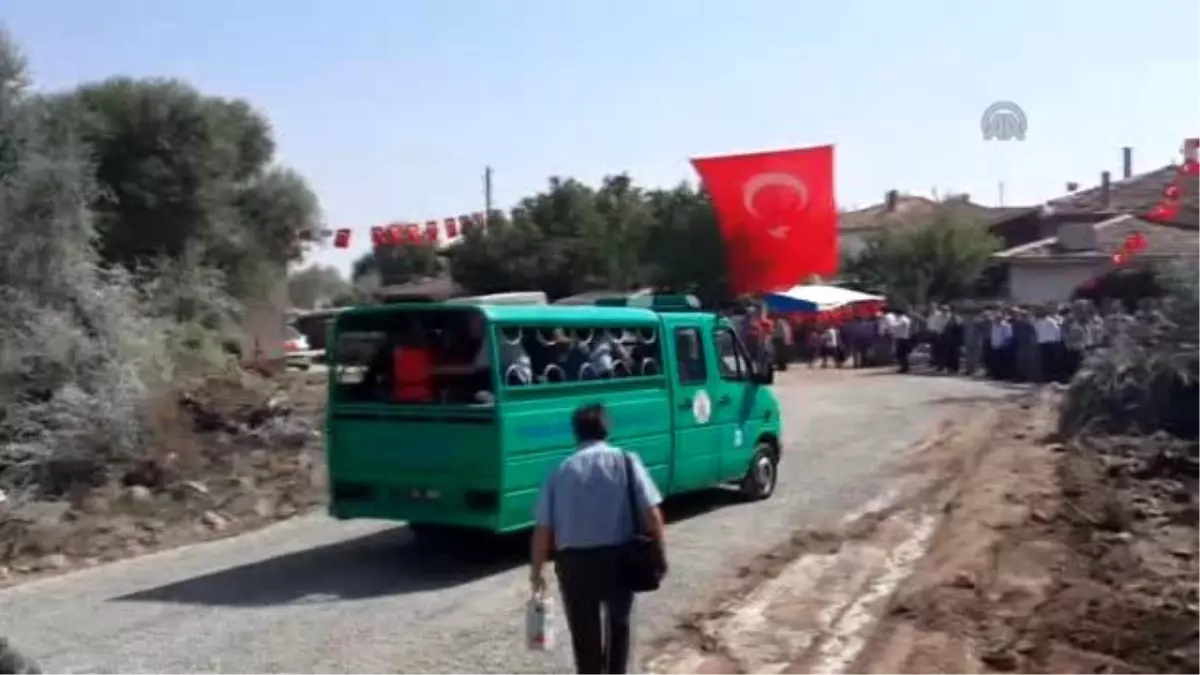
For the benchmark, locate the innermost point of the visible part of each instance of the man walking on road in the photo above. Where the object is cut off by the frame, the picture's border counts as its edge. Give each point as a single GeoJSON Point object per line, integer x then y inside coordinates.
{"type": "Point", "coordinates": [585, 515]}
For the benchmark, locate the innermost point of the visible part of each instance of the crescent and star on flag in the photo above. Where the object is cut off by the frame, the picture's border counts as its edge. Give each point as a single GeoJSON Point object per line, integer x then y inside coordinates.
{"type": "Point", "coordinates": [758, 182]}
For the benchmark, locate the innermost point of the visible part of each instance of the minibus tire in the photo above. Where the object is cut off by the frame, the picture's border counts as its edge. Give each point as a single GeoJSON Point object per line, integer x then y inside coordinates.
{"type": "Point", "coordinates": [763, 474]}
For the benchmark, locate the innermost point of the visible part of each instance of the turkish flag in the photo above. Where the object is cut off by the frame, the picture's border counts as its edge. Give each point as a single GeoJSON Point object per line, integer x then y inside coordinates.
{"type": "Point", "coordinates": [777, 215]}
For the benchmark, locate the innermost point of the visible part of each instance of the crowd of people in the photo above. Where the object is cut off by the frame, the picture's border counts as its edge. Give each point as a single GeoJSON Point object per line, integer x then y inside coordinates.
{"type": "Point", "coordinates": [1008, 342]}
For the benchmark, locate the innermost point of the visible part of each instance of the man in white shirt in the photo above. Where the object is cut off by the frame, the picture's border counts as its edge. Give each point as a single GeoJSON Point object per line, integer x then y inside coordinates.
{"type": "Point", "coordinates": [936, 320]}
{"type": "Point", "coordinates": [936, 323]}
{"type": "Point", "coordinates": [830, 345]}
{"type": "Point", "coordinates": [883, 349]}
{"type": "Point", "coordinates": [1049, 334]}
{"type": "Point", "coordinates": [902, 333]}
{"type": "Point", "coordinates": [999, 347]}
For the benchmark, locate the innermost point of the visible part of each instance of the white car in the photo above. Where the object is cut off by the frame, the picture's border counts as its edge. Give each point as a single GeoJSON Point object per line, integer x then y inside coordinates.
{"type": "Point", "coordinates": [296, 347]}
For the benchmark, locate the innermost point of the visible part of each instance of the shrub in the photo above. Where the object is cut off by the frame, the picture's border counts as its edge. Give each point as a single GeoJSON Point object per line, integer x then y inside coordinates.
{"type": "Point", "coordinates": [84, 350]}
{"type": "Point", "coordinates": [1145, 380]}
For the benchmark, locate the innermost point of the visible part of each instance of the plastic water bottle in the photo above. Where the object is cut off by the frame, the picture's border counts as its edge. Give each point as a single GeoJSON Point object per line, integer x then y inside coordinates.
{"type": "Point", "coordinates": [539, 622]}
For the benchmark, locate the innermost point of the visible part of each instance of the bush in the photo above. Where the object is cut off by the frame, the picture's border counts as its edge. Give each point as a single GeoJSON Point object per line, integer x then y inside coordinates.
{"type": "Point", "coordinates": [945, 258]}
{"type": "Point", "coordinates": [84, 350]}
{"type": "Point", "coordinates": [1145, 380]}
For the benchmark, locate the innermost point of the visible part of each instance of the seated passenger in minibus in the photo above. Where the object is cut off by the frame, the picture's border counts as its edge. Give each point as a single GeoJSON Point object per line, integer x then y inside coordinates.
{"type": "Point", "coordinates": [401, 370]}
{"type": "Point", "coordinates": [465, 364]}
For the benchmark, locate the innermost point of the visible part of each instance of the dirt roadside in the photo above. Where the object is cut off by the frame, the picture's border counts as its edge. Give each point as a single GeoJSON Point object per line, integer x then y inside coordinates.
{"type": "Point", "coordinates": [230, 455]}
{"type": "Point", "coordinates": [1001, 551]}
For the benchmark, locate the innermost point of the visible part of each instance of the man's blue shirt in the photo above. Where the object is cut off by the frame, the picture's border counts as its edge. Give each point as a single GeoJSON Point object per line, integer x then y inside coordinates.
{"type": "Point", "coordinates": [585, 502]}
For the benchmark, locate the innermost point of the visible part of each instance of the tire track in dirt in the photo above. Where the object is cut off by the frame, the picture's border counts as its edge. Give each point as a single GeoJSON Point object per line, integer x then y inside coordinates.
{"type": "Point", "coordinates": [810, 604]}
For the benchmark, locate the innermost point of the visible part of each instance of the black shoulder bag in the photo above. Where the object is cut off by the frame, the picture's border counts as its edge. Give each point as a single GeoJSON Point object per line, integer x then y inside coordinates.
{"type": "Point", "coordinates": [643, 562]}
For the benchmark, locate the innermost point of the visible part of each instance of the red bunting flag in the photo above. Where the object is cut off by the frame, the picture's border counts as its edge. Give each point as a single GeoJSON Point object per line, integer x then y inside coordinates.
{"type": "Point", "coordinates": [777, 215]}
{"type": "Point", "coordinates": [396, 234]}
{"type": "Point", "coordinates": [341, 238]}
{"type": "Point", "coordinates": [1135, 242]}
{"type": "Point", "coordinates": [1167, 209]}
{"type": "Point", "coordinates": [432, 232]}
{"type": "Point", "coordinates": [452, 226]}
{"type": "Point", "coordinates": [379, 236]}
{"type": "Point", "coordinates": [1163, 212]}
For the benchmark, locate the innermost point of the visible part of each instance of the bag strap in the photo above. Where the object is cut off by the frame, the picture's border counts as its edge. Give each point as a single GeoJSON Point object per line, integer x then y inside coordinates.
{"type": "Point", "coordinates": [638, 527]}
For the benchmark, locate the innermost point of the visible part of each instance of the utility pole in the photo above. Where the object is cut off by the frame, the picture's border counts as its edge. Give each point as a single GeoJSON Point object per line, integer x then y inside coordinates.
{"type": "Point", "coordinates": [487, 195]}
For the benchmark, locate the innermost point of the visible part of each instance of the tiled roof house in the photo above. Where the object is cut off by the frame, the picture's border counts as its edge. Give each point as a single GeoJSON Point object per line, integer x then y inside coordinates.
{"type": "Point", "coordinates": [898, 211]}
{"type": "Point", "coordinates": [1086, 229]}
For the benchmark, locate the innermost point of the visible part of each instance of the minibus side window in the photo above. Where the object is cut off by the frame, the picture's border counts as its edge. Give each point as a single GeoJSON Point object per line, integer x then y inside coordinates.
{"type": "Point", "coordinates": [732, 363]}
{"type": "Point", "coordinates": [689, 356]}
{"type": "Point", "coordinates": [412, 357]}
{"type": "Point", "coordinates": [532, 355]}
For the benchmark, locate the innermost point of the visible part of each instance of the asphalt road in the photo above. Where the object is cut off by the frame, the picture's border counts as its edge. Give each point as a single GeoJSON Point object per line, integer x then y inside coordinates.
{"type": "Point", "coordinates": [316, 595]}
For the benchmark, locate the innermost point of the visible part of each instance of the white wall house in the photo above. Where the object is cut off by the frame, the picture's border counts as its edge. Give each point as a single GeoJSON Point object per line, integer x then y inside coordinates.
{"type": "Point", "coordinates": [1050, 270]}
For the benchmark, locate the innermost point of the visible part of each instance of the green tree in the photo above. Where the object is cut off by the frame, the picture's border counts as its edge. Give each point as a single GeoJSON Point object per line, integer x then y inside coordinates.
{"type": "Point", "coordinates": [318, 286]}
{"type": "Point", "coordinates": [80, 355]}
{"type": "Point", "coordinates": [179, 170]}
{"type": "Point", "coordinates": [683, 247]}
{"type": "Point", "coordinates": [938, 261]}
{"type": "Point", "coordinates": [397, 264]}
{"type": "Point", "coordinates": [572, 238]}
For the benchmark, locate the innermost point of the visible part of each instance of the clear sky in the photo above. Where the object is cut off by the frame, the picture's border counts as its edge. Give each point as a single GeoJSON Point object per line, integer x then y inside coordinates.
{"type": "Point", "coordinates": [391, 109]}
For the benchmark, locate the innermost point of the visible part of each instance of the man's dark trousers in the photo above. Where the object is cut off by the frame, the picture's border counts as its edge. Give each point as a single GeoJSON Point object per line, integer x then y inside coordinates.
{"type": "Point", "coordinates": [598, 607]}
{"type": "Point", "coordinates": [903, 351]}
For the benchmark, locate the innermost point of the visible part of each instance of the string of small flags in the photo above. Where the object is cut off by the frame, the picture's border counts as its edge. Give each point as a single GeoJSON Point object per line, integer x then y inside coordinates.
{"type": "Point", "coordinates": [403, 233]}
{"type": "Point", "coordinates": [1133, 244]}
{"type": "Point", "coordinates": [1169, 205]}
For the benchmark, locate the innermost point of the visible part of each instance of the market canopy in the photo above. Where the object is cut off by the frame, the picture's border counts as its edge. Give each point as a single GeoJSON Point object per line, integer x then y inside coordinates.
{"type": "Point", "coordinates": [812, 298]}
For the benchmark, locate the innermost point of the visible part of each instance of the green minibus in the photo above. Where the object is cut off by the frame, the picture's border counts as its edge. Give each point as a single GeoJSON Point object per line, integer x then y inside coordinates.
{"type": "Point", "coordinates": [492, 417]}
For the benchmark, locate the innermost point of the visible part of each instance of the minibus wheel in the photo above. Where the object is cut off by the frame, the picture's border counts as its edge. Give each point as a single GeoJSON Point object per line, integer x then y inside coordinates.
{"type": "Point", "coordinates": [760, 479]}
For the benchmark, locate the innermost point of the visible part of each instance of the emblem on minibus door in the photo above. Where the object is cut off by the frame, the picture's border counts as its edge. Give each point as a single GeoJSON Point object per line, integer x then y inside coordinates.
{"type": "Point", "coordinates": [702, 407]}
